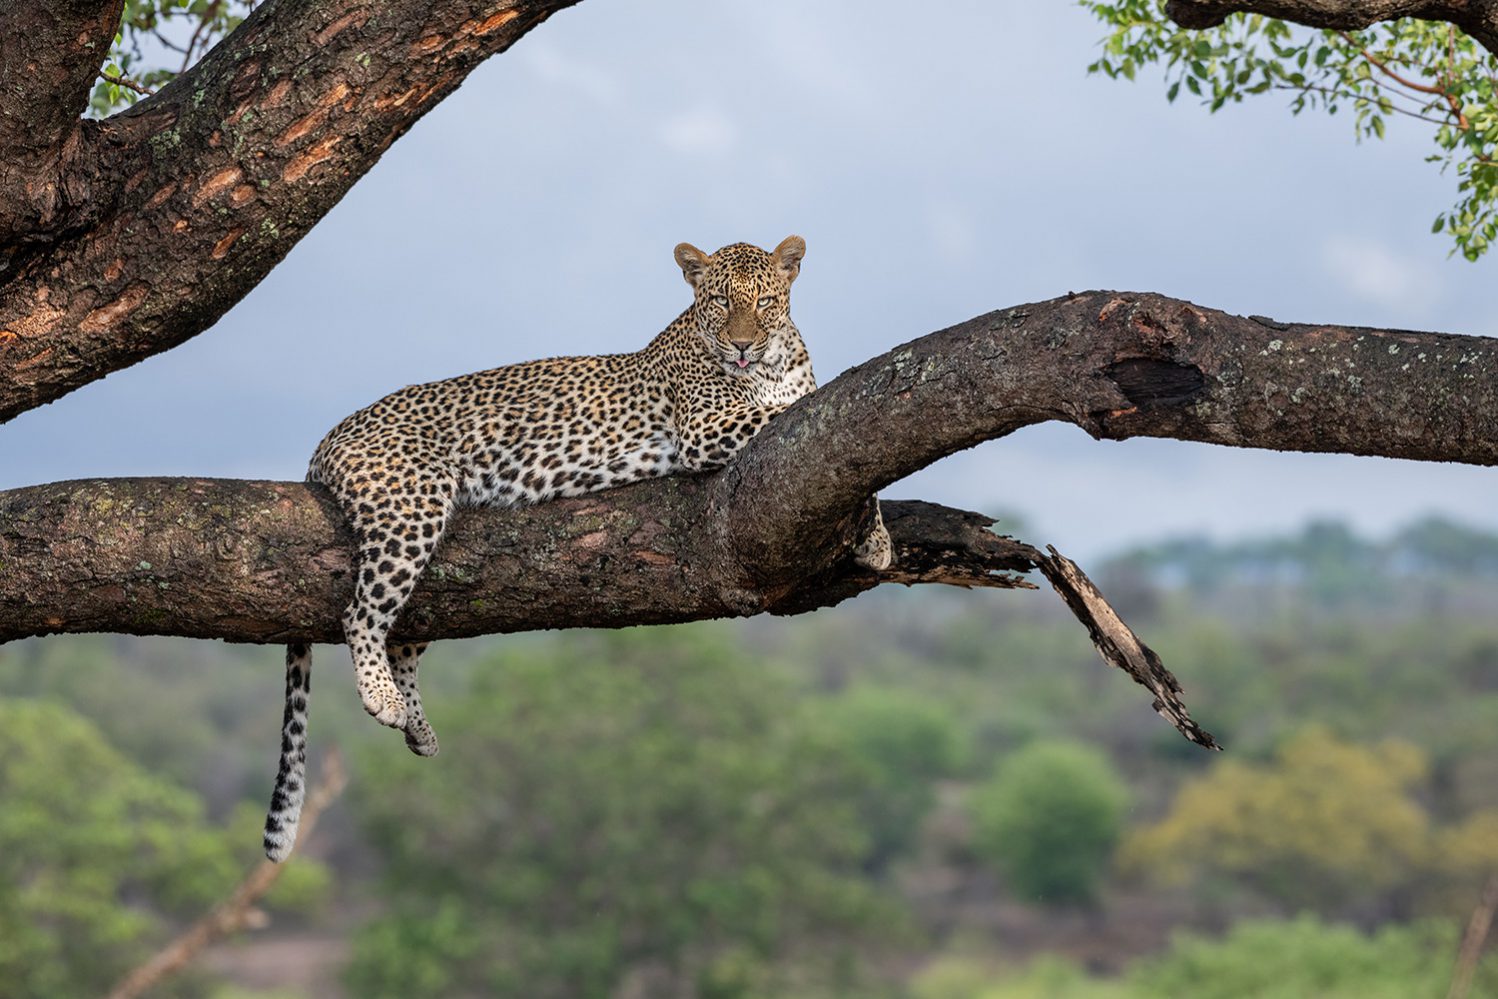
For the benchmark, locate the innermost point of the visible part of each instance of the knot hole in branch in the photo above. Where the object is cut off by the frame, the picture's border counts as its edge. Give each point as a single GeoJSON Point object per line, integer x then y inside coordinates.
{"type": "Point", "coordinates": [1147, 381]}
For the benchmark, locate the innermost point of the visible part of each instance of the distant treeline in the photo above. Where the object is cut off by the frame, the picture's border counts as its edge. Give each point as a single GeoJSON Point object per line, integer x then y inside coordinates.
{"type": "Point", "coordinates": [1326, 558]}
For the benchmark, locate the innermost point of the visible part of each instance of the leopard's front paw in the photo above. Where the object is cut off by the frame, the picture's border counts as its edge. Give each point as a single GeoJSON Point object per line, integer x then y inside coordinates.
{"type": "Point", "coordinates": [876, 551]}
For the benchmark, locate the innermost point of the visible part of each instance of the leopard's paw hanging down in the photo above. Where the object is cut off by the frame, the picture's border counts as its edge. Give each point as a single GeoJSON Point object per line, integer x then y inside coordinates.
{"type": "Point", "coordinates": [686, 402]}
{"type": "Point", "coordinates": [404, 659]}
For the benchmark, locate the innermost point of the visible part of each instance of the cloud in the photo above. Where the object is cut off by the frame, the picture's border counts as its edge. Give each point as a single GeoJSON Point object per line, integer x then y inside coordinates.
{"type": "Point", "coordinates": [1376, 273]}
{"type": "Point", "coordinates": [951, 231]}
{"type": "Point", "coordinates": [553, 66]}
{"type": "Point", "coordinates": [702, 131]}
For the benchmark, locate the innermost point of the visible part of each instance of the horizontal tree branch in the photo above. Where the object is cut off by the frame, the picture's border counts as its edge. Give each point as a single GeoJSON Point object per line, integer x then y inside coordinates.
{"type": "Point", "coordinates": [1479, 18]}
{"type": "Point", "coordinates": [190, 197]}
{"type": "Point", "coordinates": [270, 562]}
{"type": "Point", "coordinates": [766, 532]}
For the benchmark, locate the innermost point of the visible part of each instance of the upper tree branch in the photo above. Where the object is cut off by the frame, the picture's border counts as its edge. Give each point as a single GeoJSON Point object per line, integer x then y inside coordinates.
{"type": "Point", "coordinates": [1117, 365]}
{"type": "Point", "coordinates": [1478, 18]}
{"type": "Point", "coordinates": [196, 193]}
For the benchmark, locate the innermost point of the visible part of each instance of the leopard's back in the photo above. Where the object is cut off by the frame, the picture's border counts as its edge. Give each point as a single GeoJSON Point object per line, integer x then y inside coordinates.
{"type": "Point", "coordinates": [523, 433]}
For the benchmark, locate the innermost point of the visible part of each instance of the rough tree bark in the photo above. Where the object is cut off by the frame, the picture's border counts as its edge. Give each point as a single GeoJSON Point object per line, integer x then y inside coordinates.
{"type": "Point", "coordinates": [1478, 18]}
{"type": "Point", "coordinates": [122, 238]}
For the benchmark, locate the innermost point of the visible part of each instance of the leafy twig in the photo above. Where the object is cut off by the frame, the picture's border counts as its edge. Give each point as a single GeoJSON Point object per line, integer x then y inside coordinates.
{"type": "Point", "coordinates": [192, 43]}
{"type": "Point", "coordinates": [126, 82]}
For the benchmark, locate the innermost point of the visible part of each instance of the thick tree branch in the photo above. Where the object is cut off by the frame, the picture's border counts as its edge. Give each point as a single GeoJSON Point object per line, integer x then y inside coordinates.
{"type": "Point", "coordinates": [49, 54]}
{"type": "Point", "coordinates": [1478, 18]}
{"type": "Point", "coordinates": [1118, 365]}
{"type": "Point", "coordinates": [124, 238]}
{"type": "Point", "coordinates": [269, 562]}
{"type": "Point", "coordinates": [193, 195]}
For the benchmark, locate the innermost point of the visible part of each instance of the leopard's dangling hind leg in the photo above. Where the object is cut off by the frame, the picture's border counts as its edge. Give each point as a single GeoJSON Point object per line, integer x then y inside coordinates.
{"type": "Point", "coordinates": [397, 533]}
{"type": "Point", "coordinates": [291, 780]}
{"type": "Point", "coordinates": [405, 660]}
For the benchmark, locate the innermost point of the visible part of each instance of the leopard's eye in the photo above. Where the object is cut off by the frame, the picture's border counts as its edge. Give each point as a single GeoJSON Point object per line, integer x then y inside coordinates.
{"type": "Point", "coordinates": [764, 303]}
{"type": "Point", "coordinates": [721, 301]}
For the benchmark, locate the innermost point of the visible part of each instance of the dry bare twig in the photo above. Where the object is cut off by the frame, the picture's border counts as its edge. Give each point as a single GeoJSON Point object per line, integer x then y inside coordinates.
{"type": "Point", "coordinates": [237, 911]}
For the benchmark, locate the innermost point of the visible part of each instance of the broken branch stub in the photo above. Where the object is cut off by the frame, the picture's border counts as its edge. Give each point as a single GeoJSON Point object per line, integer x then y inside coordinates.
{"type": "Point", "coordinates": [1119, 646]}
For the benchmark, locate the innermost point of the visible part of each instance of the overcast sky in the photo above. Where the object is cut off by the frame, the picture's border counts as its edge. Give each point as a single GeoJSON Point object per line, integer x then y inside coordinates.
{"type": "Point", "coordinates": [939, 166]}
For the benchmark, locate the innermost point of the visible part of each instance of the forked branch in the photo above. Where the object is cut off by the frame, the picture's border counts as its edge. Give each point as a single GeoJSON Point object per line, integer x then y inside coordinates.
{"type": "Point", "coordinates": [123, 238]}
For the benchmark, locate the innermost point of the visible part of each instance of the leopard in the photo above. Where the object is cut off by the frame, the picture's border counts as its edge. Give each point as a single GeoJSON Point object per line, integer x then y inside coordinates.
{"type": "Point", "coordinates": [529, 432]}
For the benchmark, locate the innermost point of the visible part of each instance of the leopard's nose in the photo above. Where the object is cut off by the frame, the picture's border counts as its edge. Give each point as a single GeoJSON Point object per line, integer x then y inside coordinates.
{"type": "Point", "coordinates": [742, 345]}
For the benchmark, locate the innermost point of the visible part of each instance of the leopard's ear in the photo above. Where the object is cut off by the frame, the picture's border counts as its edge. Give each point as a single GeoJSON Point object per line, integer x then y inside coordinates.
{"type": "Point", "coordinates": [788, 257]}
{"type": "Point", "coordinates": [693, 263]}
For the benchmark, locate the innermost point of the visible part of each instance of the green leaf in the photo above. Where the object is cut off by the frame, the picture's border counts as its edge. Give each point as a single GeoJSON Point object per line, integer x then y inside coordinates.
{"type": "Point", "coordinates": [1326, 71]}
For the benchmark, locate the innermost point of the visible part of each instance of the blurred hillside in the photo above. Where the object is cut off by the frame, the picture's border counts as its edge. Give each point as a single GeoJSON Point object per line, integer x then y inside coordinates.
{"type": "Point", "coordinates": [921, 794]}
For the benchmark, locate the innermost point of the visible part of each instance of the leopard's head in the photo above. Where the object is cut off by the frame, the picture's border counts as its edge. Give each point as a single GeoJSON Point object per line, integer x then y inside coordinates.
{"type": "Point", "coordinates": [742, 300]}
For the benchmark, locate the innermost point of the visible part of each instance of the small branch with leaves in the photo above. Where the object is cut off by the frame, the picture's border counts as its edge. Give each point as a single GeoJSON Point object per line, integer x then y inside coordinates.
{"type": "Point", "coordinates": [126, 82]}
{"type": "Point", "coordinates": [1379, 58]}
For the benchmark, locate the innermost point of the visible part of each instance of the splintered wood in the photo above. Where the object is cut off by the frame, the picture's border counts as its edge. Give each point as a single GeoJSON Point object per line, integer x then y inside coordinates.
{"type": "Point", "coordinates": [1119, 646]}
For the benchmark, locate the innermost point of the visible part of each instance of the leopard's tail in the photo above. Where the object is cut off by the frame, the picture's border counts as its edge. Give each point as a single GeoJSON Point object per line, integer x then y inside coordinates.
{"type": "Point", "coordinates": [291, 780]}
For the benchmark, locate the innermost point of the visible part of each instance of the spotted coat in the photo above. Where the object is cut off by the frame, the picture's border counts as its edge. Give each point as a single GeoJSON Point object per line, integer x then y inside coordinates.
{"type": "Point", "coordinates": [532, 431]}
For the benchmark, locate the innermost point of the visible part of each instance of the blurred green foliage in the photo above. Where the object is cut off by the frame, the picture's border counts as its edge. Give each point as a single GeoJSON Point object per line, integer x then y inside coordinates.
{"type": "Point", "coordinates": [806, 808]}
{"type": "Point", "coordinates": [1044, 978]}
{"type": "Point", "coordinates": [1050, 819]}
{"type": "Point", "coordinates": [907, 745]}
{"type": "Point", "coordinates": [1324, 822]}
{"type": "Point", "coordinates": [1325, 826]}
{"type": "Point", "coordinates": [622, 812]}
{"type": "Point", "coordinates": [1293, 959]}
{"type": "Point", "coordinates": [1427, 70]}
{"type": "Point", "coordinates": [1325, 561]}
{"type": "Point", "coordinates": [96, 855]}
{"type": "Point", "coordinates": [1257, 959]}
